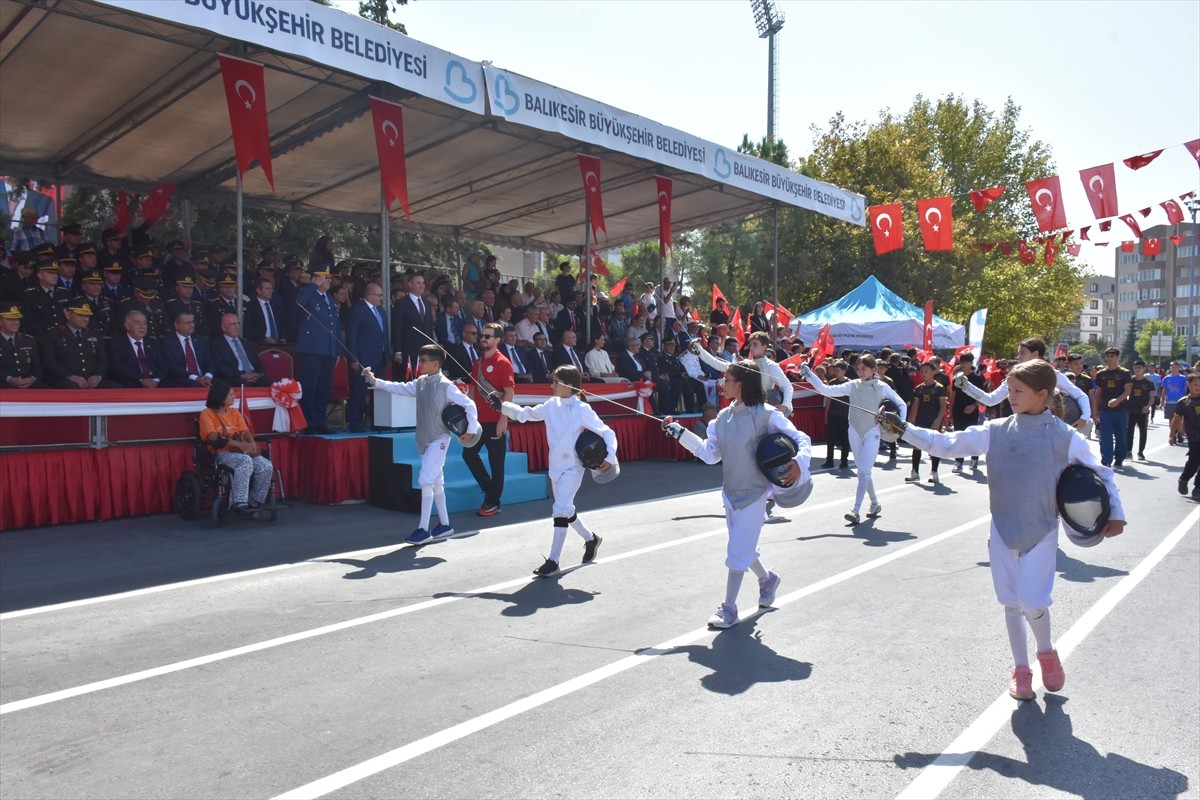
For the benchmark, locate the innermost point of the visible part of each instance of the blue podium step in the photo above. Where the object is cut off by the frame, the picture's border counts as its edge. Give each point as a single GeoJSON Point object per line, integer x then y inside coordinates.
{"type": "Point", "coordinates": [395, 465]}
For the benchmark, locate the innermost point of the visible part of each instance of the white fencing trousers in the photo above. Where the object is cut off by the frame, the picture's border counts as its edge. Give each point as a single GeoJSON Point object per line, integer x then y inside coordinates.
{"type": "Point", "coordinates": [251, 476]}
{"type": "Point", "coordinates": [865, 448]}
{"type": "Point", "coordinates": [433, 460]}
{"type": "Point", "coordinates": [1024, 580]}
{"type": "Point", "coordinates": [745, 526]}
{"type": "Point", "coordinates": [564, 486]}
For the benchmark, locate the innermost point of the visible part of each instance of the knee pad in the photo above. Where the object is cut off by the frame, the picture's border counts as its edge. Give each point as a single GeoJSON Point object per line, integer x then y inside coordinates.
{"type": "Point", "coordinates": [573, 518]}
{"type": "Point", "coordinates": [562, 522]}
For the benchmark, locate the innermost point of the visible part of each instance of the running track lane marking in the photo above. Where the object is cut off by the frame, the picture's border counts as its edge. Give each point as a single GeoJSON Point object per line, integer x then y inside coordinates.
{"type": "Point", "coordinates": [87, 601]}
{"type": "Point", "coordinates": [199, 661]}
{"type": "Point", "coordinates": [934, 779]}
{"type": "Point", "coordinates": [392, 758]}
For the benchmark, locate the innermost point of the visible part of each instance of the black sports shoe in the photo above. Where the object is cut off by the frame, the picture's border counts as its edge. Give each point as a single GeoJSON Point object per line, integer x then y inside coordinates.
{"type": "Point", "coordinates": [1182, 486]}
{"type": "Point", "coordinates": [589, 549]}
{"type": "Point", "coordinates": [547, 569]}
{"type": "Point", "coordinates": [828, 464]}
{"type": "Point", "coordinates": [1119, 463]}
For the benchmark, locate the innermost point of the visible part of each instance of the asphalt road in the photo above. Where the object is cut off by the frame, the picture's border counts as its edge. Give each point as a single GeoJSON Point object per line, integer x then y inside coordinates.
{"type": "Point", "coordinates": [317, 657]}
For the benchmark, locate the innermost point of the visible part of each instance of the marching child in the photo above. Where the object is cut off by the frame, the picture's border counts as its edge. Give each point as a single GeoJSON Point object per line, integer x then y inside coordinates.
{"type": "Point", "coordinates": [733, 439]}
{"type": "Point", "coordinates": [837, 419]}
{"type": "Point", "coordinates": [928, 411]}
{"type": "Point", "coordinates": [1186, 420]}
{"type": "Point", "coordinates": [434, 391]}
{"type": "Point", "coordinates": [866, 392]}
{"type": "Point", "coordinates": [1026, 453]}
{"type": "Point", "coordinates": [566, 416]}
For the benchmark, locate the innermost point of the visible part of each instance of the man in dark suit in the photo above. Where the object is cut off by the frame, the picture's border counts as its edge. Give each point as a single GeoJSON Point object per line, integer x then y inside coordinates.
{"type": "Point", "coordinates": [630, 364]}
{"type": "Point", "coordinates": [367, 341]}
{"type": "Point", "coordinates": [233, 358]}
{"type": "Point", "coordinates": [540, 359]}
{"type": "Point", "coordinates": [516, 355]}
{"type": "Point", "coordinates": [464, 354]}
{"type": "Point", "coordinates": [566, 354]}
{"type": "Point", "coordinates": [449, 323]}
{"type": "Point", "coordinates": [135, 359]}
{"type": "Point", "coordinates": [264, 320]}
{"type": "Point", "coordinates": [186, 360]}
{"type": "Point", "coordinates": [409, 315]}
{"type": "Point", "coordinates": [569, 319]}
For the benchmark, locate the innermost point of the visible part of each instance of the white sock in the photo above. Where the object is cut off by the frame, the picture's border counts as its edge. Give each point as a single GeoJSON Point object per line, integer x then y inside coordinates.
{"type": "Point", "coordinates": [733, 585]}
{"type": "Point", "coordinates": [582, 529]}
{"type": "Point", "coordinates": [556, 546]}
{"type": "Point", "coordinates": [439, 500]}
{"type": "Point", "coordinates": [759, 570]}
{"type": "Point", "coordinates": [1040, 626]}
{"type": "Point", "coordinates": [426, 506]}
{"type": "Point", "coordinates": [1014, 621]}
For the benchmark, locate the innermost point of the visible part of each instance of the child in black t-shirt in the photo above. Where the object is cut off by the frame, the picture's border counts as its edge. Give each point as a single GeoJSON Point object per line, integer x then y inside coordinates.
{"type": "Point", "coordinates": [1187, 421]}
{"type": "Point", "coordinates": [837, 419]}
{"type": "Point", "coordinates": [927, 411]}
{"type": "Point", "coordinates": [1141, 399]}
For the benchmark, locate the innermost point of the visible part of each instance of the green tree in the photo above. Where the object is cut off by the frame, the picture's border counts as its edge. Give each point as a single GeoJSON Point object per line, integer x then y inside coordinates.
{"type": "Point", "coordinates": [380, 11]}
{"type": "Point", "coordinates": [1129, 348]}
{"type": "Point", "coordinates": [1153, 326]}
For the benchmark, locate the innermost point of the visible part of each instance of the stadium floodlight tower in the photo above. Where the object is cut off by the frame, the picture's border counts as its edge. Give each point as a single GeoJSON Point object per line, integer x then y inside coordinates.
{"type": "Point", "coordinates": [769, 21]}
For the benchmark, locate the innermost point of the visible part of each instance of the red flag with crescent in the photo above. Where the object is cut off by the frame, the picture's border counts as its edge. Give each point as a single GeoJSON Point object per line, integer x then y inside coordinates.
{"type": "Point", "coordinates": [665, 187]}
{"type": "Point", "coordinates": [246, 96]}
{"type": "Point", "coordinates": [1177, 240]}
{"type": "Point", "coordinates": [735, 327]}
{"type": "Point", "coordinates": [1151, 247]}
{"type": "Point", "coordinates": [1045, 196]}
{"type": "Point", "coordinates": [927, 338]}
{"type": "Point", "coordinates": [1174, 211]}
{"type": "Point", "coordinates": [1051, 251]}
{"type": "Point", "coordinates": [717, 295]}
{"type": "Point", "coordinates": [388, 120]}
{"type": "Point", "coordinates": [156, 205]}
{"type": "Point", "coordinates": [1193, 147]}
{"type": "Point", "coordinates": [598, 265]}
{"type": "Point", "coordinates": [936, 216]}
{"type": "Point", "coordinates": [589, 168]}
{"type": "Point", "coordinates": [617, 288]}
{"type": "Point", "coordinates": [1137, 162]}
{"type": "Point", "coordinates": [1132, 223]}
{"type": "Point", "coordinates": [1100, 186]}
{"type": "Point", "coordinates": [886, 228]}
{"type": "Point", "coordinates": [822, 348]}
{"type": "Point", "coordinates": [782, 315]}
{"type": "Point", "coordinates": [982, 197]}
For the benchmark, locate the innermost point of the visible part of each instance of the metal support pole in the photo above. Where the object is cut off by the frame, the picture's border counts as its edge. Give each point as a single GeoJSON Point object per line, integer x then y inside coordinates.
{"type": "Point", "coordinates": [1192, 301]}
{"type": "Point", "coordinates": [241, 231]}
{"type": "Point", "coordinates": [587, 281]}
{"type": "Point", "coordinates": [771, 88]}
{"type": "Point", "coordinates": [662, 298]}
{"type": "Point", "coordinates": [385, 257]}
{"type": "Point", "coordinates": [775, 265]}
{"type": "Point", "coordinates": [185, 212]}
{"type": "Point", "coordinates": [57, 222]}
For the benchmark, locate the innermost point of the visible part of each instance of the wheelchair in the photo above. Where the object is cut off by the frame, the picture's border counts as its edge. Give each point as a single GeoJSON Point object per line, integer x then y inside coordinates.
{"type": "Point", "coordinates": [210, 485]}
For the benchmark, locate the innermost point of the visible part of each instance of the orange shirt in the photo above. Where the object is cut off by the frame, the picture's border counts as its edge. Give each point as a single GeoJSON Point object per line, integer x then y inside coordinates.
{"type": "Point", "coordinates": [228, 422]}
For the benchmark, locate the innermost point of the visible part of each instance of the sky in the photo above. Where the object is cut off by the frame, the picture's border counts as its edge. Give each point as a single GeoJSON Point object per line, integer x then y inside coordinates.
{"type": "Point", "coordinates": [1096, 81]}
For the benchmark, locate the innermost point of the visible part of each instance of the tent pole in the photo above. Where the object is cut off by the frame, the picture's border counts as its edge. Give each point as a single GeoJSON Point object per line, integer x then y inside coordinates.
{"type": "Point", "coordinates": [458, 261]}
{"type": "Point", "coordinates": [385, 257]}
{"type": "Point", "coordinates": [587, 283]}
{"type": "Point", "coordinates": [57, 202]}
{"type": "Point", "coordinates": [775, 263]}
{"type": "Point", "coordinates": [185, 213]}
{"type": "Point", "coordinates": [240, 246]}
{"type": "Point", "coordinates": [662, 298]}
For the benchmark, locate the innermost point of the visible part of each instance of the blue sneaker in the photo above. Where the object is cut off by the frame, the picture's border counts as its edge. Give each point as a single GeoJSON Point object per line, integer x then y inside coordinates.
{"type": "Point", "coordinates": [441, 532]}
{"type": "Point", "coordinates": [419, 536]}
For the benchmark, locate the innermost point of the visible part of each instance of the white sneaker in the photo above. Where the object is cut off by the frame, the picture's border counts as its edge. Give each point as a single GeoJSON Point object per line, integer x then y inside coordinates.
{"type": "Point", "coordinates": [724, 617]}
{"type": "Point", "coordinates": [933, 478]}
{"type": "Point", "coordinates": [875, 510]}
{"type": "Point", "coordinates": [958, 467]}
{"type": "Point", "coordinates": [852, 516]}
{"type": "Point", "coordinates": [915, 477]}
{"type": "Point", "coordinates": [767, 590]}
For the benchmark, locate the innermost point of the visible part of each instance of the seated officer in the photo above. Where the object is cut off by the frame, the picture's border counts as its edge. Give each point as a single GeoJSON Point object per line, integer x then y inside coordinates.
{"type": "Point", "coordinates": [73, 356]}
{"type": "Point", "coordinates": [20, 367]}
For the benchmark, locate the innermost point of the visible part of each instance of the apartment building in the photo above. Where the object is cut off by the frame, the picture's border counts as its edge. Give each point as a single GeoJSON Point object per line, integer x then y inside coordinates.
{"type": "Point", "coordinates": [1097, 320]}
{"type": "Point", "coordinates": [1163, 285]}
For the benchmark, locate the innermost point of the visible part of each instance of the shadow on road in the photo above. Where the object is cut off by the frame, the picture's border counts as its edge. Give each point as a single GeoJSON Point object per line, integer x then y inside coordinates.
{"type": "Point", "coordinates": [739, 658]}
{"type": "Point", "coordinates": [867, 533]}
{"type": "Point", "coordinates": [402, 559]}
{"type": "Point", "coordinates": [1056, 758]}
{"type": "Point", "coordinates": [1076, 571]}
{"type": "Point", "coordinates": [532, 597]}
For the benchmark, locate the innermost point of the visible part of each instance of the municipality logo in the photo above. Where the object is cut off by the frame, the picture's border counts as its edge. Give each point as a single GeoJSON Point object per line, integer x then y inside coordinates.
{"type": "Point", "coordinates": [459, 86]}
{"type": "Point", "coordinates": [721, 165]}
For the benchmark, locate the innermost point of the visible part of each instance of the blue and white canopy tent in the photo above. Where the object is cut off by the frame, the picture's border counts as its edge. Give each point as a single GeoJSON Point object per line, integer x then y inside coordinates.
{"type": "Point", "coordinates": [873, 316]}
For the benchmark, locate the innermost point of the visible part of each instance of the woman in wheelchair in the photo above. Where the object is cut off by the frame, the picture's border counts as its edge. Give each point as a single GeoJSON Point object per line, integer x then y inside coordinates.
{"type": "Point", "coordinates": [224, 429]}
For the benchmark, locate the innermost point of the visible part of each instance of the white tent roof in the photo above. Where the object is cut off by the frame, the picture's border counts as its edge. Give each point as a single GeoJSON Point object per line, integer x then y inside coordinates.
{"type": "Point", "coordinates": [872, 315]}
{"type": "Point", "coordinates": [129, 93]}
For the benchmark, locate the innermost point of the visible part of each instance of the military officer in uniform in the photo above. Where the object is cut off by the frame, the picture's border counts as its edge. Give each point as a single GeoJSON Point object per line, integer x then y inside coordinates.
{"type": "Point", "coordinates": [68, 274]}
{"type": "Point", "coordinates": [20, 367]}
{"type": "Point", "coordinates": [184, 300]}
{"type": "Point", "coordinates": [42, 304]}
{"type": "Point", "coordinates": [114, 249]}
{"type": "Point", "coordinates": [176, 265]}
{"type": "Point", "coordinates": [73, 356]}
{"type": "Point", "coordinates": [145, 299]}
{"type": "Point", "coordinates": [14, 282]}
{"type": "Point", "coordinates": [104, 309]}
{"type": "Point", "coordinates": [144, 266]}
{"type": "Point", "coordinates": [225, 303]}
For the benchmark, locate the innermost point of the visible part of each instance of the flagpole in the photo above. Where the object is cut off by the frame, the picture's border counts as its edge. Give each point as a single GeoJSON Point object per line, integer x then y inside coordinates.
{"type": "Point", "coordinates": [587, 283]}
{"type": "Point", "coordinates": [775, 263]}
{"type": "Point", "coordinates": [662, 297]}
{"type": "Point", "coordinates": [240, 245]}
{"type": "Point", "coordinates": [385, 242]}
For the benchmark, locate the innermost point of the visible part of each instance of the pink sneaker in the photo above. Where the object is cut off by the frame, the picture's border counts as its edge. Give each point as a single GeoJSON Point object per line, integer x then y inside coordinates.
{"type": "Point", "coordinates": [1020, 686]}
{"type": "Point", "coordinates": [1053, 676]}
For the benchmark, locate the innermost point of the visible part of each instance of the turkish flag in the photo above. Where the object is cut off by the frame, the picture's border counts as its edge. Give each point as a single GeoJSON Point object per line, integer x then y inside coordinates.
{"type": "Point", "coordinates": [589, 168]}
{"type": "Point", "coordinates": [735, 325]}
{"type": "Point", "coordinates": [388, 122]}
{"type": "Point", "coordinates": [1106, 226]}
{"type": "Point", "coordinates": [1083, 232]}
{"type": "Point", "coordinates": [1045, 196]}
{"type": "Point", "coordinates": [664, 186]}
{"type": "Point", "coordinates": [717, 295]}
{"type": "Point", "coordinates": [1193, 147]}
{"type": "Point", "coordinates": [1177, 240]}
{"type": "Point", "coordinates": [1067, 235]}
{"type": "Point", "coordinates": [1127, 247]}
{"type": "Point", "coordinates": [246, 96]}
{"type": "Point", "coordinates": [1051, 251]}
{"type": "Point", "coordinates": [936, 216]}
{"type": "Point", "coordinates": [123, 215]}
{"type": "Point", "coordinates": [1060, 351]}
{"type": "Point", "coordinates": [794, 360]}
{"type": "Point", "coordinates": [1027, 255]}
{"type": "Point", "coordinates": [1074, 249]}
{"type": "Point", "coordinates": [981, 197]}
{"type": "Point", "coordinates": [1101, 244]}
{"type": "Point", "coordinates": [1137, 162]}
{"type": "Point", "coordinates": [1005, 248]}
{"type": "Point", "coordinates": [1132, 223]}
{"type": "Point", "coordinates": [1174, 212]}
{"type": "Point", "coordinates": [154, 206]}
{"type": "Point", "coordinates": [1100, 186]}
{"type": "Point", "coordinates": [1151, 247]}
{"type": "Point", "coordinates": [986, 247]}
{"type": "Point", "coordinates": [1145, 212]}
{"type": "Point", "coordinates": [886, 228]}
{"type": "Point", "coordinates": [782, 315]}
{"type": "Point", "coordinates": [822, 348]}
{"type": "Point", "coordinates": [599, 267]}
{"type": "Point", "coordinates": [617, 288]}
{"type": "Point", "coordinates": [927, 339]}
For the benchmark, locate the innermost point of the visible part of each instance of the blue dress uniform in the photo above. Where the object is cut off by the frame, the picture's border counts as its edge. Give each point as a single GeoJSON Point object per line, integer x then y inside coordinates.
{"type": "Point", "coordinates": [317, 348]}
{"type": "Point", "coordinates": [70, 351]}
{"type": "Point", "coordinates": [18, 355]}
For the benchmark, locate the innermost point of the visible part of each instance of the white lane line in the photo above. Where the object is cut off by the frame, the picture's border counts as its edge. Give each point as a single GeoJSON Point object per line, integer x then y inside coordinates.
{"type": "Point", "coordinates": [934, 779]}
{"type": "Point", "coordinates": [166, 587]}
{"type": "Point", "coordinates": [199, 661]}
{"type": "Point", "coordinates": [410, 751]}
